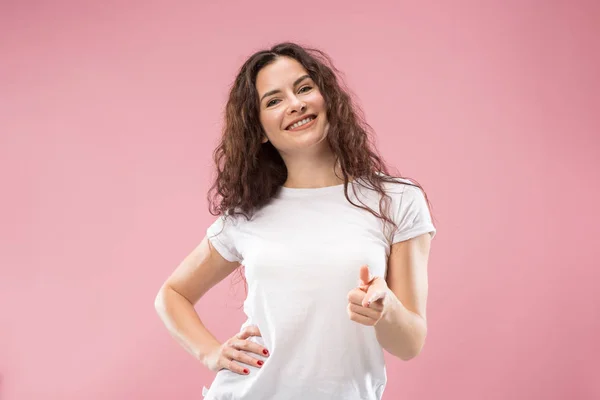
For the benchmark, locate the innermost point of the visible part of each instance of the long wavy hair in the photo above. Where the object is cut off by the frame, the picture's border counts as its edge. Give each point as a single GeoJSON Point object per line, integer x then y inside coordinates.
{"type": "Point", "coordinates": [249, 173]}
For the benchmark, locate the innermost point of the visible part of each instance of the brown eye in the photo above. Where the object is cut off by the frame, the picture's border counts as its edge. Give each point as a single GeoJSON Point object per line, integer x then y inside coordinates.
{"type": "Point", "coordinates": [300, 91]}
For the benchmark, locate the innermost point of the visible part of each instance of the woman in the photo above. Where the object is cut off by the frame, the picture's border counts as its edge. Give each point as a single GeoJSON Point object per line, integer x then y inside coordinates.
{"type": "Point", "coordinates": [334, 249]}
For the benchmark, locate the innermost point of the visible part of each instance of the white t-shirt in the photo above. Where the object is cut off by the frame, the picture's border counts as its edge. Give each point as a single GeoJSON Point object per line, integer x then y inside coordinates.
{"type": "Point", "coordinates": [302, 253]}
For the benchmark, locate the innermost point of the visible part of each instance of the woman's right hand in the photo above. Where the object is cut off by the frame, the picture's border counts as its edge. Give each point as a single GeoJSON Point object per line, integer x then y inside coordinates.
{"type": "Point", "coordinates": [230, 354]}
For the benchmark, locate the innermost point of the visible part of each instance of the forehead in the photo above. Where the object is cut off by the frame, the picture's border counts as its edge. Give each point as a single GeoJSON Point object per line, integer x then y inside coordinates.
{"type": "Point", "coordinates": [282, 72]}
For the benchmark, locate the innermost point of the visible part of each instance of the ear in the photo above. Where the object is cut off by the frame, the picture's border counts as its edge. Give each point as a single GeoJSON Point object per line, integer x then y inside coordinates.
{"type": "Point", "coordinates": [264, 139]}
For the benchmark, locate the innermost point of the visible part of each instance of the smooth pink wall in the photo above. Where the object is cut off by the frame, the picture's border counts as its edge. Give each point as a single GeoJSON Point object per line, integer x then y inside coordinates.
{"type": "Point", "coordinates": [109, 113]}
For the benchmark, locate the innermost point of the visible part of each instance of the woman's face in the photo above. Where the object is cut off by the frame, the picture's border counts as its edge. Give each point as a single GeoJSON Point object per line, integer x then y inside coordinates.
{"type": "Point", "coordinates": [287, 94]}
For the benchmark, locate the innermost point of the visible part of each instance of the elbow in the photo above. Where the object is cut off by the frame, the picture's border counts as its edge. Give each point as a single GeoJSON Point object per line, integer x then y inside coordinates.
{"type": "Point", "coordinates": [410, 355]}
{"type": "Point", "coordinates": [415, 349]}
{"type": "Point", "coordinates": [159, 300]}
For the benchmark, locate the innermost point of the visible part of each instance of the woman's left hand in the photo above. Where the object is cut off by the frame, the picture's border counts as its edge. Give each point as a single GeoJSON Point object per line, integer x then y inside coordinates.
{"type": "Point", "coordinates": [367, 302]}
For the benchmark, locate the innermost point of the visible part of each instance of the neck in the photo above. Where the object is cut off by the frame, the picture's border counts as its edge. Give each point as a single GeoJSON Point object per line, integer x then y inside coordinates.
{"type": "Point", "coordinates": [313, 172]}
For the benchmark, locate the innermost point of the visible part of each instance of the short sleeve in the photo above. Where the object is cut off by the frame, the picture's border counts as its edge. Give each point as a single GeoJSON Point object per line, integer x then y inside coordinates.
{"type": "Point", "coordinates": [412, 215]}
{"type": "Point", "coordinates": [222, 235]}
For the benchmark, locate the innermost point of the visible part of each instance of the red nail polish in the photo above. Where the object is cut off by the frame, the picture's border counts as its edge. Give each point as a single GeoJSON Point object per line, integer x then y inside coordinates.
{"type": "Point", "coordinates": [259, 362]}
{"type": "Point", "coordinates": [265, 352]}
{"type": "Point", "coordinates": [246, 371]}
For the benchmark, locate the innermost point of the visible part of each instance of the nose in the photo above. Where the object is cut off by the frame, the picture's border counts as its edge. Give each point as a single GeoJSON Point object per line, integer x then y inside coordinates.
{"type": "Point", "coordinates": [296, 105]}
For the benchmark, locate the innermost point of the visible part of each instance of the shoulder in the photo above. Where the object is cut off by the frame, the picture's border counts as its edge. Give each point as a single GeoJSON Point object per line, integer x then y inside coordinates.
{"type": "Point", "coordinates": [229, 219]}
{"type": "Point", "coordinates": [404, 193]}
{"type": "Point", "coordinates": [395, 186]}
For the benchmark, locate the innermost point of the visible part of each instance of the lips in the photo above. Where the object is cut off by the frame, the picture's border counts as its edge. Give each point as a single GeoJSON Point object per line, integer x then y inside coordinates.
{"type": "Point", "coordinates": [300, 119]}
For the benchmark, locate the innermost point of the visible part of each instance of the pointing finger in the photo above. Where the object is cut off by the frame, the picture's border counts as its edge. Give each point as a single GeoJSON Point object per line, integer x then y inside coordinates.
{"type": "Point", "coordinates": [364, 274]}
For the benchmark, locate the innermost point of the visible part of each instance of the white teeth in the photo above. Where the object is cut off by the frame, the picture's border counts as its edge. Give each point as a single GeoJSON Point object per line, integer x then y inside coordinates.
{"type": "Point", "coordinates": [300, 123]}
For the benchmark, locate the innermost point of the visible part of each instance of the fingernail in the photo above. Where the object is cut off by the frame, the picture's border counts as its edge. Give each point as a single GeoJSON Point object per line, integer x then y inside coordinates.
{"type": "Point", "coordinates": [266, 352]}
{"type": "Point", "coordinates": [246, 371]}
{"type": "Point", "coordinates": [259, 362]}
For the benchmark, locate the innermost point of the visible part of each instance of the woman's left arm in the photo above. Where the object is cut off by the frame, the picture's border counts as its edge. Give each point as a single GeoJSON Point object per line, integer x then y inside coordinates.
{"type": "Point", "coordinates": [403, 325]}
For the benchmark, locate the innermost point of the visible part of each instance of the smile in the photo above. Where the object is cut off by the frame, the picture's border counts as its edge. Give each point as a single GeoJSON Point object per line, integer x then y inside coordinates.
{"type": "Point", "coordinates": [304, 124]}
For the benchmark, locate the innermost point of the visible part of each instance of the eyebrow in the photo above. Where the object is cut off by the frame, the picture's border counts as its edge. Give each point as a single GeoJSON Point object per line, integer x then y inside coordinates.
{"type": "Point", "coordinates": [297, 81]}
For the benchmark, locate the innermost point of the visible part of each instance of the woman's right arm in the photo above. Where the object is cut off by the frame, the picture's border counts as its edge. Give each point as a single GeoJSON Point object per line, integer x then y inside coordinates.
{"type": "Point", "coordinates": [202, 269]}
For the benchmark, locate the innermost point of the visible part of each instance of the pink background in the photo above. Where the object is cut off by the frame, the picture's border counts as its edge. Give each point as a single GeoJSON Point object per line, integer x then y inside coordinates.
{"type": "Point", "coordinates": [109, 113]}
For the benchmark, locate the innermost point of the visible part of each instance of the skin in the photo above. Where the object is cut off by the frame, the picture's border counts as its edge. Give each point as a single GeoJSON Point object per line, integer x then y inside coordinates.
{"type": "Point", "coordinates": [394, 306]}
{"type": "Point", "coordinates": [306, 153]}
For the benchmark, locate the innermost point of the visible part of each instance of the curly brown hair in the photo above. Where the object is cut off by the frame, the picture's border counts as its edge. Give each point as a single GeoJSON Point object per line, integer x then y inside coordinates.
{"type": "Point", "coordinates": [250, 173]}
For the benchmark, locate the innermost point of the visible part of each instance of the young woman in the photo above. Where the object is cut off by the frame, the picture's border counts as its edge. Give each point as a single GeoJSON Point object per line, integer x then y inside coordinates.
{"type": "Point", "coordinates": [334, 249]}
